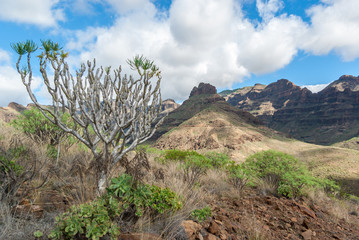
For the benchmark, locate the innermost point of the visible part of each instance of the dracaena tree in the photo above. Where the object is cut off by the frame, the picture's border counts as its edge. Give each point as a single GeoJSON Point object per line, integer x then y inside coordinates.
{"type": "Point", "coordinates": [111, 114]}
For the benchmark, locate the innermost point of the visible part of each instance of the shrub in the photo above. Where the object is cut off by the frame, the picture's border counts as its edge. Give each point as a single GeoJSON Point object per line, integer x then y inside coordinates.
{"type": "Point", "coordinates": [201, 214]}
{"type": "Point", "coordinates": [237, 176]}
{"type": "Point", "coordinates": [218, 160]}
{"type": "Point", "coordinates": [178, 155]}
{"type": "Point", "coordinates": [91, 220]}
{"type": "Point", "coordinates": [291, 175]}
{"type": "Point", "coordinates": [143, 197]}
{"type": "Point", "coordinates": [36, 126]}
{"type": "Point", "coordinates": [195, 166]}
{"type": "Point", "coordinates": [99, 218]}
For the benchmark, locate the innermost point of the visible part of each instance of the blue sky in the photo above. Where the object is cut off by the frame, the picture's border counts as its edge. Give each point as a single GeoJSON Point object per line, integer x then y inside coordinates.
{"type": "Point", "coordinates": [228, 43]}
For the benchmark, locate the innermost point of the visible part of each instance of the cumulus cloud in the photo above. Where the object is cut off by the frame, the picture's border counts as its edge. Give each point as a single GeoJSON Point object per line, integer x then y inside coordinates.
{"type": "Point", "coordinates": [268, 8]}
{"type": "Point", "coordinates": [212, 41]}
{"type": "Point", "coordinates": [12, 89]}
{"type": "Point", "coordinates": [38, 12]}
{"type": "Point", "coordinates": [334, 27]}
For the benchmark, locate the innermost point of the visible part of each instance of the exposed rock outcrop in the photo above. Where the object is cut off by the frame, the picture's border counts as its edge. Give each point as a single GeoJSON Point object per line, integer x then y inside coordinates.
{"type": "Point", "coordinates": [326, 117]}
{"type": "Point", "coordinates": [168, 106]}
{"type": "Point", "coordinates": [203, 88]}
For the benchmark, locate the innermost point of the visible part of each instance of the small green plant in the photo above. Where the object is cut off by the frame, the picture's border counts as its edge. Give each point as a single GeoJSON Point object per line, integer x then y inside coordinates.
{"type": "Point", "coordinates": [8, 160]}
{"type": "Point", "coordinates": [91, 220]}
{"type": "Point", "coordinates": [201, 214]}
{"type": "Point", "coordinates": [290, 174]}
{"type": "Point", "coordinates": [144, 197]}
{"type": "Point", "coordinates": [194, 167]}
{"type": "Point", "coordinates": [7, 165]}
{"type": "Point", "coordinates": [237, 176]}
{"type": "Point", "coordinates": [38, 234]}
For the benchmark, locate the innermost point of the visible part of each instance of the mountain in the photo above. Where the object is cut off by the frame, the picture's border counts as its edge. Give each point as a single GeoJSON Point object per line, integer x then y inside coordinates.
{"type": "Point", "coordinates": [9, 113]}
{"type": "Point", "coordinates": [202, 97]}
{"type": "Point", "coordinates": [326, 117]}
{"type": "Point", "coordinates": [206, 122]}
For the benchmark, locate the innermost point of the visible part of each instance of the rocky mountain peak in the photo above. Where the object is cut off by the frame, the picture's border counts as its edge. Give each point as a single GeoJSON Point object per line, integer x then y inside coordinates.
{"type": "Point", "coordinates": [203, 88]}
{"type": "Point", "coordinates": [16, 106]}
{"type": "Point", "coordinates": [345, 82]}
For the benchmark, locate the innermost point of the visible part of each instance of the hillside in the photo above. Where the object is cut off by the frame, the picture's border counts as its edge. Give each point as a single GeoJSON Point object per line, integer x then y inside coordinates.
{"type": "Point", "coordinates": [326, 117]}
{"type": "Point", "coordinates": [201, 98]}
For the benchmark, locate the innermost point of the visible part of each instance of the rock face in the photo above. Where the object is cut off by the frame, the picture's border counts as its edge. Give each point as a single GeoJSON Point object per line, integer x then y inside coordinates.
{"type": "Point", "coordinates": [169, 105]}
{"type": "Point", "coordinates": [326, 117]}
{"type": "Point", "coordinates": [203, 88]}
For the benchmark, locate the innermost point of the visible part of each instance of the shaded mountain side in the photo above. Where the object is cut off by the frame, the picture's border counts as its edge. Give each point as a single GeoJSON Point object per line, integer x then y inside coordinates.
{"type": "Point", "coordinates": [200, 99]}
{"type": "Point", "coordinates": [326, 117]}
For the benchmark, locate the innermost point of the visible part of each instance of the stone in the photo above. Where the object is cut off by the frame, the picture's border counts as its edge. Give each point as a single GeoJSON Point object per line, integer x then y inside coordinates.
{"type": "Point", "coordinates": [191, 228]}
{"type": "Point", "coordinates": [307, 235]}
{"type": "Point", "coordinates": [214, 228]}
{"type": "Point", "coordinates": [210, 237]}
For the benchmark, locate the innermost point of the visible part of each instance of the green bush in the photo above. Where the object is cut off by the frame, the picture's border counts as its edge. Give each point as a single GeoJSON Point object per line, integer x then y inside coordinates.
{"type": "Point", "coordinates": [91, 220]}
{"type": "Point", "coordinates": [201, 214]}
{"type": "Point", "coordinates": [237, 175]}
{"type": "Point", "coordinates": [178, 155]}
{"type": "Point", "coordinates": [8, 160]}
{"type": "Point", "coordinates": [36, 126]}
{"type": "Point", "coordinates": [218, 160]}
{"type": "Point", "coordinates": [144, 197]}
{"type": "Point", "coordinates": [195, 166]}
{"type": "Point", "coordinates": [291, 174]}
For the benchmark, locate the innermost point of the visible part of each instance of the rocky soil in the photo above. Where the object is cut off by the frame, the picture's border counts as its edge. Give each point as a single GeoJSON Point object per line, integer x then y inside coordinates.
{"type": "Point", "coordinates": [255, 216]}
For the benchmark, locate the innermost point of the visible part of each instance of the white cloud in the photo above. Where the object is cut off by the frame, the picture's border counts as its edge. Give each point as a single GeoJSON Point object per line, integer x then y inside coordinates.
{"type": "Point", "coordinates": [38, 12]}
{"type": "Point", "coordinates": [272, 45]}
{"type": "Point", "coordinates": [315, 88]}
{"type": "Point", "coordinates": [4, 57]}
{"type": "Point", "coordinates": [212, 41]}
{"type": "Point", "coordinates": [335, 27]}
{"type": "Point", "coordinates": [201, 23]}
{"type": "Point", "coordinates": [268, 8]}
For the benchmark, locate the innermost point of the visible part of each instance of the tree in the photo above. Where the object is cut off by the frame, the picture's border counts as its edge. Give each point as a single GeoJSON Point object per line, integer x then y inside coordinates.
{"type": "Point", "coordinates": [110, 114]}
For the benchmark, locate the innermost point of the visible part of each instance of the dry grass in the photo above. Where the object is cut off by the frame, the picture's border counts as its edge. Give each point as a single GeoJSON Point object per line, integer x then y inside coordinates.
{"type": "Point", "coordinates": [339, 209]}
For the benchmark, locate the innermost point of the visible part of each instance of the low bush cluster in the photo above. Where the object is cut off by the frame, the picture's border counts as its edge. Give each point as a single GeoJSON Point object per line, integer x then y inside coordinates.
{"type": "Point", "coordinates": [101, 217]}
{"type": "Point", "coordinates": [283, 170]}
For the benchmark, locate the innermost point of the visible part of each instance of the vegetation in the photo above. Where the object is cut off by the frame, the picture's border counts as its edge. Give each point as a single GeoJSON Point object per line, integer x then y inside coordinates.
{"type": "Point", "coordinates": [120, 111]}
{"type": "Point", "coordinates": [283, 170]}
{"type": "Point", "coordinates": [99, 218]}
{"type": "Point", "coordinates": [201, 214]}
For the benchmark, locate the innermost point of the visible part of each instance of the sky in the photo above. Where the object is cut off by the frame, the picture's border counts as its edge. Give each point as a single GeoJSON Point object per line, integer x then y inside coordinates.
{"type": "Point", "coordinates": [228, 43]}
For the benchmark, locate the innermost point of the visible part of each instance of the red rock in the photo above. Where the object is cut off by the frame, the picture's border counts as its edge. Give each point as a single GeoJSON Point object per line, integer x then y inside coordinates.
{"type": "Point", "coordinates": [214, 228]}
{"type": "Point", "coordinates": [307, 235]}
{"type": "Point", "coordinates": [210, 237]}
{"type": "Point", "coordinates": [191, 228]}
